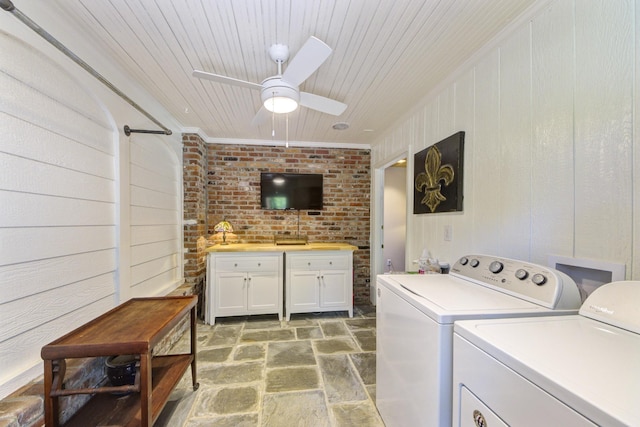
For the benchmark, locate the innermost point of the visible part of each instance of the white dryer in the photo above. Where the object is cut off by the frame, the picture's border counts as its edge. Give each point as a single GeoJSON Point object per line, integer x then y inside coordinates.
{"type": "Point", "coordinates": [415, 316]}
{"type": "Point", "coordinates": [580, 370]}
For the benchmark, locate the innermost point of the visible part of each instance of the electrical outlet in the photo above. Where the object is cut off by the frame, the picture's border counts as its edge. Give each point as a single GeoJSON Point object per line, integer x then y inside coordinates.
{"type": "Point", "coordinates": [389, 262]}
{"type": "Point", "coordinates": [448, 233]}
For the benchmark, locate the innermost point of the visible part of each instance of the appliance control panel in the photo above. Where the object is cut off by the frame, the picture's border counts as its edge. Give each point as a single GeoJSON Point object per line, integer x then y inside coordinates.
{"type": "Point", "coordinates": [536, 283]}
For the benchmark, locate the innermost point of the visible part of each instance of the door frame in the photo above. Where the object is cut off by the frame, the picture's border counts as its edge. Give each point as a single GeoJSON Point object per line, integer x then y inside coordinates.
{"type": "Point", "coordinates": [377, 233]}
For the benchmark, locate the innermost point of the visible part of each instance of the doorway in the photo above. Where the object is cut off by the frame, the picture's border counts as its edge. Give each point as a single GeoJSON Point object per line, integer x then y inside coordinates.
{"type": "Point", "coordinates": [394, 225]}
{"type": "Point", "coordinates": [389, 236]}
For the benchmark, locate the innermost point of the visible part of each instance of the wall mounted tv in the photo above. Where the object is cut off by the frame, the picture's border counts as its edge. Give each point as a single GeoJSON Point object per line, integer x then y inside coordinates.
{"type": "Point", "coordinates": [298, 191]}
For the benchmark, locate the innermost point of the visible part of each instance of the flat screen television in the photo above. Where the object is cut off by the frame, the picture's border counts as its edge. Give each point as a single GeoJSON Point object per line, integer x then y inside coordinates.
{"type": "Point", "coordinates": [297, 191]}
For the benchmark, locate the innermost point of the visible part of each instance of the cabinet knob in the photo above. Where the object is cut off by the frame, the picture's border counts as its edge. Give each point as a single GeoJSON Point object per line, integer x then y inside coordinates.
{"type": "Point", "coordinates": [308, 263]}
{"type": "Point", "coordinates": [259, 264]}
{"type": "Point", "coordinates": [235, 265]}
{"type": "Point", "coordinates": [330, 262]}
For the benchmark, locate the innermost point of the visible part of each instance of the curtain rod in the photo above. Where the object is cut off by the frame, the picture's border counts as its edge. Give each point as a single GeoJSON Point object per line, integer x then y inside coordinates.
{"type": "Point", "coordinates": [9, 7]}
{"type": "Point", "coordinates": [128, 131]}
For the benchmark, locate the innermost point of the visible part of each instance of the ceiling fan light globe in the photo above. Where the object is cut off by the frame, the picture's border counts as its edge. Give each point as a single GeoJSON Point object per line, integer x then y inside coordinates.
{"type": "Point", "coordinates": [278, 96]}
{"type": "Point", "coordinates": [280, 104]}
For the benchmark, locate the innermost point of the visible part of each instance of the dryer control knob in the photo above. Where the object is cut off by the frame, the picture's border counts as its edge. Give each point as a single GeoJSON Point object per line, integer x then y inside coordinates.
{"type": "Point", "coordinates": [539, 279]}
{"type": "Point", "coordinates": [496, 267]}
{"type": "Point", "coordinates": [474, 263]}
{"type": "Point", "coordinates": [464, 260]}
{"type": "Point", "coordinates": [479, 419]}
{"type": "Point", "coordinates": [521, 274]}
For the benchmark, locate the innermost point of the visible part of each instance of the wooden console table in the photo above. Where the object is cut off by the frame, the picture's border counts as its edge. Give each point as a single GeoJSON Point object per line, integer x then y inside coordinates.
{"type": "Point", "coordinates": [132, 328]}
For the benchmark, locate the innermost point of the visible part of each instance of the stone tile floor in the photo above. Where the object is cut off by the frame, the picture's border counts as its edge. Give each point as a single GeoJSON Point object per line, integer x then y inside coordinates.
{"type": "Point", "coordinates": [315, 370]}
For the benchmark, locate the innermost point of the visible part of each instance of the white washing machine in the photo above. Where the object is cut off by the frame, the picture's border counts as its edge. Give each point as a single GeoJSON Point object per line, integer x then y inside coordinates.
{"type": "Point", "coordinates": [415, 315]}
{"type": "Point", "coordinates": [580, 370]}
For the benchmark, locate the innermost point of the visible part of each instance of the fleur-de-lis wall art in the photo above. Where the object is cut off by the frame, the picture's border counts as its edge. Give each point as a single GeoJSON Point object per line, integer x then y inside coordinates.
{"type": "Point", "coordinates": [438, 176]}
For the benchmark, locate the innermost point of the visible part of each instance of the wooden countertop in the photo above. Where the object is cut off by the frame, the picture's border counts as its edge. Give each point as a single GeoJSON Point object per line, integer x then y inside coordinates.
{"type": "Point", "coordinates": [271, 247]}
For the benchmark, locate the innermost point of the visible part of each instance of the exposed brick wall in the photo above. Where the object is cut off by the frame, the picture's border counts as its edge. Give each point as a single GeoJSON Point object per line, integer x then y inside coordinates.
{"type": "Point", "coordinates": [195, 211]}
{"type": "Point", "coordinates": [233, 192]}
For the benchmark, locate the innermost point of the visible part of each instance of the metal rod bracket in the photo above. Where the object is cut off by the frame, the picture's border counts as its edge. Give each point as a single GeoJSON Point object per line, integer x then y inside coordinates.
{"type": "Point", "coordinates": [7, 5]}
{"type": "Point", "coordinates": [128, 131]}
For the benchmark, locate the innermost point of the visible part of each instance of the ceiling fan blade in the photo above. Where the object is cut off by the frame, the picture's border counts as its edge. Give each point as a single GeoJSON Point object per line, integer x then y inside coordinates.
{"type": "Point", "coordinates": [308, 59]}
{"type": "Point", "coordinates": [322, 104]}
{"type": "Point", "coordinates": [261, 116]}
{"type": "Point", "coordinates": [224, 79]}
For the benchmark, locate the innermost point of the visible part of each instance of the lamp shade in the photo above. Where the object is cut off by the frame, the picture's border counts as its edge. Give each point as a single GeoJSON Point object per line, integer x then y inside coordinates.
{"type": "Point", "coordinates": [223, 226]}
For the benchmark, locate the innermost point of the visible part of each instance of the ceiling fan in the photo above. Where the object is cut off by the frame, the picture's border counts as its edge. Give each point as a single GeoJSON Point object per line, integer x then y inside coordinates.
{"type": "Point", "coordinates": [280, 93]}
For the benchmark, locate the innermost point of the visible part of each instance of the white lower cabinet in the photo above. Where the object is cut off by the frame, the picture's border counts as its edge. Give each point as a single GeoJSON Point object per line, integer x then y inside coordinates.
{"type": "Point", "coordinates": [244, 284]}
{"type": "Point", "coordinates": [319, 281]}
{"type": "Point", "coordinates": [253, 282]}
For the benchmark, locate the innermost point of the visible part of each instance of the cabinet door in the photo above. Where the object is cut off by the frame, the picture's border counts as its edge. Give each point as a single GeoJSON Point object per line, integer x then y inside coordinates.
{"type": "Point", "coordinates": [304, 289]}
{"type": "Point", "coordinates": [230, 292]}
{"type": "Point", "coordinates": [334, 288]}
{"type": "Point", "coordinates": [263, 291]}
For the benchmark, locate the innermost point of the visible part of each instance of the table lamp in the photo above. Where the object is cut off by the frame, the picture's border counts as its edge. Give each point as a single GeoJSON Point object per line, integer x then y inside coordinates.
{"type": "Point", "coordinates": [223, 227]}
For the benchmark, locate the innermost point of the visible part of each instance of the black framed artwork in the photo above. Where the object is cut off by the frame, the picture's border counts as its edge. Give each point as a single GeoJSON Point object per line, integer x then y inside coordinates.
{"type": "Point", "coordinates": [437, 176]}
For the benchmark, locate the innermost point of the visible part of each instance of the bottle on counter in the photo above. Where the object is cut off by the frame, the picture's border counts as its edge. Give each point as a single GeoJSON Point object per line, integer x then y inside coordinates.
{"type": "Point", "coordinates": [428, 264]}
{"type": "Point", "coordinates": [433, 266]}
{"type": "Point", "coordinates": [422, 266]}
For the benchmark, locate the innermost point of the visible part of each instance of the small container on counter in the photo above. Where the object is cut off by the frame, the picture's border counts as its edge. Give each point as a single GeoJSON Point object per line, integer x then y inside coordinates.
{"type": "Point", "coordinates": [444, 267]}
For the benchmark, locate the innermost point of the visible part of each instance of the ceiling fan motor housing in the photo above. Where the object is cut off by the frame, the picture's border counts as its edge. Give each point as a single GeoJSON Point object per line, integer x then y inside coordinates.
{"type": "Point", "coordinates": [279, 53]}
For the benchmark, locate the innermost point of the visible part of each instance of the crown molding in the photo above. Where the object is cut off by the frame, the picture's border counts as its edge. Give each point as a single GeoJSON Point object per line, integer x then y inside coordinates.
{"type": "Point", "coordinates": [277, 143]}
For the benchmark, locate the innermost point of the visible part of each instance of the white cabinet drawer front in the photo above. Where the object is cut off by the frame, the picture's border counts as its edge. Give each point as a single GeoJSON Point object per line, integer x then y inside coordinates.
{"type": "Point", "coordinates": [248, 264]}
{"type": "Point", "coordinates": [320, 263]}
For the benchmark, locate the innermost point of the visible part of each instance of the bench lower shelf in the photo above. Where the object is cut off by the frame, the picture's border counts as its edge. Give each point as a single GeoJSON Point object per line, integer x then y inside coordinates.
{"type": "Point", "coordinates": [105, 409]}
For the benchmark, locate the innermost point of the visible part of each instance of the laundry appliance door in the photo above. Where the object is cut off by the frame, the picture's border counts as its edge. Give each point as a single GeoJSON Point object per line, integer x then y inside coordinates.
{"type": "Point", "coordinates": [413, 385]}
{"type": "Point", "coordinates": [512, 395]}
{"type": "Point", "coordinates": [475, 413]}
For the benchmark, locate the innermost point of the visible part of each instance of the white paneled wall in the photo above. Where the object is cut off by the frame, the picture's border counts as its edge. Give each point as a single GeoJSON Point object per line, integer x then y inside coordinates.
{"type": "Point", "coordinates": [58, 207]}
{"type": "Point", "coordinates": [603, 107]}
{"type": "Point", "coordinates": [156, 212]}
{"type": "Point", "coordinates": [88, 216]}
{"type": "Point", "coordinates": [552, 158]}
{"type": "Point", "coordinates": [515, 145]}
{"type": "Point", "coordinates": [482, 150]}
{"type": "Point", "coordinates": [549, 154]}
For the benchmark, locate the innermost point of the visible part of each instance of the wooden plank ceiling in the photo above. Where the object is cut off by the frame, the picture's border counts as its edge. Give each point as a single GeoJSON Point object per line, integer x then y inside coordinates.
{"type": "Point", "coordinates": [387, 55]}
